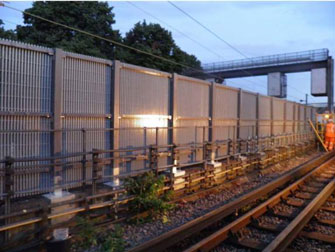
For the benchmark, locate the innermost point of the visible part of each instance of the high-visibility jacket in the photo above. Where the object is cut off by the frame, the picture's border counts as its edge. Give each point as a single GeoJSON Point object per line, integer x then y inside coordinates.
{"type": "Point", "coordinates": [330, 130]}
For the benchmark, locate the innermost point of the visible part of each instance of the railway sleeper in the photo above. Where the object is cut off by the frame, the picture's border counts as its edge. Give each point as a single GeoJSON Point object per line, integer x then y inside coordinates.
{"type": "Point", "coordinates": [319, 236]}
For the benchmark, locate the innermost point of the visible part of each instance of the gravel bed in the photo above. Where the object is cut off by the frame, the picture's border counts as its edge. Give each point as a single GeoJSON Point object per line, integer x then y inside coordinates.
{"type": "Point", "coordinates": [229, 248]}
{"type": "Point", "coordinates": [325, 215]}
{"type": "Point", "coordinates": [135, 234]}
{"type": "Point", "coordinates": [314, 226]}
{"type": "Point", "coordinates": [286, 209]}
{"type": "Point", "coordinates": [302, 244]}
{"type": "Point", "coordinates": [256, 234]}
{"type": "Point", "coordinates": [264, 219]}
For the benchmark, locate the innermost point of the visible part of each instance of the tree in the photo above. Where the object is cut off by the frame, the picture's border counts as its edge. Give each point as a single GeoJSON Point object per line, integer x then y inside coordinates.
{"type": "Point", "coordinates": [92, 17]}
{"type": "Point", "coordinates": [154, 39]}
{"type": "Point", "coordinates": [6, 34]}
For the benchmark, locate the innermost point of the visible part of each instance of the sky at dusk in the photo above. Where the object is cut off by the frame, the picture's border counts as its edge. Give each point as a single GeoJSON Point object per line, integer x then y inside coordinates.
{"type": "Point", "coordinates": [254, 28]}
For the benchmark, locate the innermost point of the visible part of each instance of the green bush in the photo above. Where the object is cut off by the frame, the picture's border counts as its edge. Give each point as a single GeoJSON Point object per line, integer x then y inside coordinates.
{"type": "Point", "coordinates": [146, 190]}
{"type": "Point", "coordinates": [93, 238]}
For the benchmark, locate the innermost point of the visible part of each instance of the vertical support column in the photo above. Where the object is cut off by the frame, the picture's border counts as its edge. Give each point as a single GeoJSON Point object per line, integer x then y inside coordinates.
{"type": "Point", "coordinates": [173, 121]}
{"type": "Point", "coordinates": [271, 117]}
{"type": "Point", "coordinates": [8, 189]}
{"type": "Point", "coordinates": [238, 130]}
{"type": "Point", "coordinates": [305, 117]}
{"type": "Point", "coordinates": [115, 108]}
{"type": "Point", "coordinates": [239, 108]}
{"type": "Point", "coordinates": [173, 107]}
{"type": "Point", "coordinates": [211, 130]}
{"type": "Point", "coordinates": [212, 91]}
{"type": "Point", "coordinates": [284, 117]}
{"type": "Point", "coordinates": [294, 112]}
{"type": "Point", "coordinates": [330, 83]}
{"type": "Point", "coordinates": [257, 116]}
{"type": "Point", "coordinates": [57, 112]}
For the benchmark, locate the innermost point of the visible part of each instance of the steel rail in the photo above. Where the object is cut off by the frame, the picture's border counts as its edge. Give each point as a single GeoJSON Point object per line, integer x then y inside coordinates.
{"type": "Point", "coordinates": [281, 242]}
{"type": "Point", "coordinates": [186, 230]}
{"type": "Point", "coordinates": [284, 239]}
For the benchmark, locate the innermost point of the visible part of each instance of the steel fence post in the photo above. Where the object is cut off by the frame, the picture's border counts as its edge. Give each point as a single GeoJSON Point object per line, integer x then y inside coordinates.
{"type": "Point", "coordinates": [9, 183]}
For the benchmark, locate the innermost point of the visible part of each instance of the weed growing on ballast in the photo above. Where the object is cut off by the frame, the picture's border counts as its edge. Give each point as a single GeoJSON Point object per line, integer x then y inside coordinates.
{"type": "Point", "coordinates": [92, 238]}
{"type": "Point", "coordinates": [147, 189]}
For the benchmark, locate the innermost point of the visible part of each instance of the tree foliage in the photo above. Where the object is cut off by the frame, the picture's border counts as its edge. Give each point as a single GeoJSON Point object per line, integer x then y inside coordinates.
{"type": "Point", "coordinates": [6, 34]}
{"type": "Point", "coordinates": [154, 39]}
{"type": "Point", "coordinates": [92, 17]}
{"type": "Point", "coordinates": [97, 18]}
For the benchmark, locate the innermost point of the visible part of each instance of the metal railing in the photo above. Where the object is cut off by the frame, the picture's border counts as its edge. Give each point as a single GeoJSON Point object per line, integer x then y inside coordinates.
{"type": "Point", "coordinates": [271, 60]}
{"type": "Point", "coordinates": [25, 176]}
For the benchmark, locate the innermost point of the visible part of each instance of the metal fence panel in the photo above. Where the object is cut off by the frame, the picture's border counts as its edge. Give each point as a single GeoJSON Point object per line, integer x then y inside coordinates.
{"type": "Point", "coordinates": [26, 105]}
{"type": "Point", "coordinates": [143, 91]}
{"type": "Point", "coordinates": [278, 116]}
{"type": "Point", "coordinates": [25, 96]}
{"type": "Point", "coordinates": [248, 106]}
{"type": "Point", "coordinates": [75, 140]}
{"type": "Point", "coordinates": [289, 111]}
{"type": "Point", "coordinates": [25, 79]}
{"type": "Point", "coordinates": [278, 109]}
{"type": "Point", "coordinates": [192, 97]}
{"type": "Point", "coordinates": [264, 108]}
{"type": "Point", "coordinates": [86, 86]}
{"type": "Point", "coordinates": [225, 109]}
{"type": "Point", "coordinates": [144, 102]}
{"type": "Point", "coordinates": [264, 128]}
{"type": "Point", "coordinates": [264, 116]}
{"type": "Point", "coordinates": [192, 109]}
{"type": "Point", "coordinates": [225, 102]}
{"type": "Point", "coordinates": [248, 114]}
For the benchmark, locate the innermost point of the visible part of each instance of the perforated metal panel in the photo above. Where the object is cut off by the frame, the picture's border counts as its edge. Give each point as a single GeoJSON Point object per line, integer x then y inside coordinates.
{"type": "Point", "coordinates": [143, 92]}
{"type": "Point", "coordinates": [86, 86]}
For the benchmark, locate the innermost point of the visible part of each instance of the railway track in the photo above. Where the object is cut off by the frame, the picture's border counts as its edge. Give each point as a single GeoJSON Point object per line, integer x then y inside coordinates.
{"type": "Point", "coordinates": [300, 217]}
{"type": "Point", "coordinates": [215, 217]}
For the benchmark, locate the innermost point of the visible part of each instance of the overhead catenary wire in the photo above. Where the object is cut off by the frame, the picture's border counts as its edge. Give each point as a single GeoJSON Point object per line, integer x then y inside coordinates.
{"type": "Point", "coordinates": [111, 41]}
{"type": "Point", "coordinates": [174, 28]}
{"type": "Point", "coordinates": [116, 43]}
{"type": "Point", "coordinates": [144, 11]}
{"type": "Point", "coordinates": [218, 37]}
{"type": "Point", "coordinates": [209, 30]}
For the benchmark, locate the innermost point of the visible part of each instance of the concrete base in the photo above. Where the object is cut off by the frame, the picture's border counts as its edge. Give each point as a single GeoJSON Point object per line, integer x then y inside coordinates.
{"type": "Point", "coordinates": [178, 179]}
{"type": "Point", "coordinates": [115, 184]}
{"type": "Point", "coordinates": [214, 164]}
{"type": "Point", "coordinates": [60, 196]}
{"type": "Point", "coordinates": [217, 166]}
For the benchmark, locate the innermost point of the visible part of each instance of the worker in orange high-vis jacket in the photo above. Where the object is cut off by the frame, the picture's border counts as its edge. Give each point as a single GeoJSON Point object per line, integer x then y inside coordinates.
{"type": "Point", "coordinates": [330, 135]}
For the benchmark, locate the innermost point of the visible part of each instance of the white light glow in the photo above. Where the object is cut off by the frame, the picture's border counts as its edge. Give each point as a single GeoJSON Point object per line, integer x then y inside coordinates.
{"type": "Point", "coordinates": [149, 121]}
{"type": "Point", "coordinates": [152, 122]}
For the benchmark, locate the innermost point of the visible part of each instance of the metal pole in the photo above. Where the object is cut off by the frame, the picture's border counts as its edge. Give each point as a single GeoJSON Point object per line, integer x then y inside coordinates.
{"type": "Point", "coordinates": [9, 182]}
{"type": "Point", "coordinates": [57, 111]}
{"type": "Point", "coordinates": [84, 160]}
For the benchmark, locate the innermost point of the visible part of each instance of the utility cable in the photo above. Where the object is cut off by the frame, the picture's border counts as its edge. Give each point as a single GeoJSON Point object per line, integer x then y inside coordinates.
{"type": "Point", "coordinates": [110, 41]}
{"type": "Point", "coordinates": [174, 28]}
{"type": "Point", "coordinates": [218, 37]}
{"type": "Point", "coordinates": [209, 30]}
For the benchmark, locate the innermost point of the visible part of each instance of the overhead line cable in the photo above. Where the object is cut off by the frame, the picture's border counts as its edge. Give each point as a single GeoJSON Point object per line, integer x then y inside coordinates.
{"type": "Point", "coordinates": [109, 40]}
{"type": "Point", "coordinates": [209, 30]}
{"type": "Point", "coordinates": [174, 28]}
{"type": "Point", "coordinates": [217, 36]}
{"type": "Point", "coordinates": [105, 39]}
{"type": "Point", "coordinates": [184, 35]}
